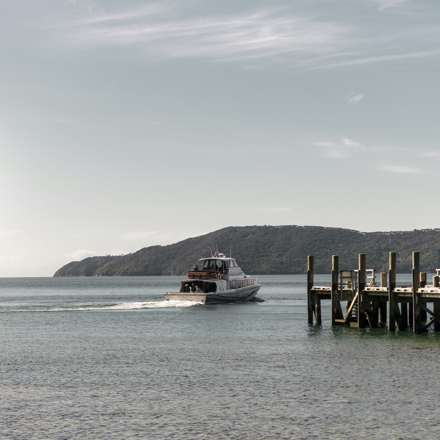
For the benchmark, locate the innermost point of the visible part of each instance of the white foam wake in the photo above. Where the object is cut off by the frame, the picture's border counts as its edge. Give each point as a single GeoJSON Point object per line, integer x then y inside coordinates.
{"type": "Point", "coordinates": [121, 306]}
{"type": "Point", "coordinates": [155, 304]}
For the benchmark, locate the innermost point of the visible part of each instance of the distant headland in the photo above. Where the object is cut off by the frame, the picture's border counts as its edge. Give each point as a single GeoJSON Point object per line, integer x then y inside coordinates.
{"type": "Point", "coordinates": [270, 250]}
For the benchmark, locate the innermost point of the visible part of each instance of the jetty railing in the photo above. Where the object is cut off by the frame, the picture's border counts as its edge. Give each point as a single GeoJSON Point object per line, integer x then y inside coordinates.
{"type": "Point", "coordinates": [357, 301]}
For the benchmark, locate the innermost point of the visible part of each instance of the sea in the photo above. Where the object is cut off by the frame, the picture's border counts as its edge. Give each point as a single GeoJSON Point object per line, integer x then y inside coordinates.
{"type": "Point", "coordinates": [108, 358]}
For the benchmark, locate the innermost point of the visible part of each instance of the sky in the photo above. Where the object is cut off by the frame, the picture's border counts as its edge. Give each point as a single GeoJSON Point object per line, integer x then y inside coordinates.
{"type": "Point", "coordinates": [127, 124]}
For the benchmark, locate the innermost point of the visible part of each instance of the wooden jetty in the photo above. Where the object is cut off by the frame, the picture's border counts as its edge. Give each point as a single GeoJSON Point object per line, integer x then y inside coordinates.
{"type": "Point", "coordinates": [357, 301]}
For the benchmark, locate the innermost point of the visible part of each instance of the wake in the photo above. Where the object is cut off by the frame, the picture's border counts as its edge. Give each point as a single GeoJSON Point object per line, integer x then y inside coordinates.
{"type": "Point", "coordinates": [121, 306]}
{"type": "Point", "coordinates": [155, 305]}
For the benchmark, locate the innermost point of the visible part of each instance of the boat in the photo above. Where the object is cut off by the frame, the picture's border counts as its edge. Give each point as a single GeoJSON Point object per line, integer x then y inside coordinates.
{"type": "Point", "coordinates": [216, 280]}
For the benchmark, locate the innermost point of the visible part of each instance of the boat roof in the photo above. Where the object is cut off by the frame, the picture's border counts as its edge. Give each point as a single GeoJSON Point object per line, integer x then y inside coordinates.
{"type": "Point", "coordinates": [217, 258]}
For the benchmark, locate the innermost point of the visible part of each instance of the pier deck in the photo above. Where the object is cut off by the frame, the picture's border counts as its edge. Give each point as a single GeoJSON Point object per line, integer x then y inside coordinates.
{"type": "Point", "coordinates": [355, 302]}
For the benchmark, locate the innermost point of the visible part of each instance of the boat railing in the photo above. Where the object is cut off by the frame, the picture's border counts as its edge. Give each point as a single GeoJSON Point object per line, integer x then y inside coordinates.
{"type": "Point", "coordinates": [206, 275]}
{"type": "Point", "coordinates": [237, 284]}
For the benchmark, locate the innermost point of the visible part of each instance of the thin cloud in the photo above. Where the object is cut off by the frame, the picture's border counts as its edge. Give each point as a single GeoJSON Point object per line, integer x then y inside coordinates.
{"type": "Point", "coordinates": [341, 149]}
{"type": "Point", "coordinates": [354, 98]}
{"type": "Point", "coordinates": [431, 154]}
{"type": "Point", "coordinates": [400, 169]}
{"type": "Point", "coordinates": [263, 34]}
{"type": "Point", "coordinates": [385, 4]}
{"type": "Point", "coordinates": [384, 58]}
{"type": "Point", "coordinates": [106, 18]}
{"type": "Point", "coordinates": [265, 37]}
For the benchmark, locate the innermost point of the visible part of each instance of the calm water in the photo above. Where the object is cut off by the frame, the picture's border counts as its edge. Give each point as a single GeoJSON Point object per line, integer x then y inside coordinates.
{"type": "Point", "coordinates": [104, 358]}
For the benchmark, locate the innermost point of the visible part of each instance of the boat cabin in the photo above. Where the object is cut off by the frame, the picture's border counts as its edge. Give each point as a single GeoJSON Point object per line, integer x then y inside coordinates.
{"type": "Point", "coordinates": [215, 268]}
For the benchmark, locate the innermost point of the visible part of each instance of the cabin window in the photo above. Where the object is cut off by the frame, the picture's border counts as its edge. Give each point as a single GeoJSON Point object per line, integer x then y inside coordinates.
{"type": "Point", "coordinates": [209, 287]}
{"type": "Point", "coordinates": [209, 265]}
{"type": "Point", "coordinates": [205, 287]}
{"type": "Point", "coordinates": [218, 265]}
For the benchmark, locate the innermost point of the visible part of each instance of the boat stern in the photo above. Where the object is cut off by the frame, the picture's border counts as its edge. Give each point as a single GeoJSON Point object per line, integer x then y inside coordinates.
{"type": "Point", "coordinates": [183, 296]}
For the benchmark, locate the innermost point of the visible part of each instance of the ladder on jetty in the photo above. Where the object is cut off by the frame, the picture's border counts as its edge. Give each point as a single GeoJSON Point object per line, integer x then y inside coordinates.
{"type": "Point", "coordinates": [355, 302]}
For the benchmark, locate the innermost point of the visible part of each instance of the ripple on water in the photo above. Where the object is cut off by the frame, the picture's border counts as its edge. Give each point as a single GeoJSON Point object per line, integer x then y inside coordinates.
{"type": "Point", "coordinates": [252, 371]}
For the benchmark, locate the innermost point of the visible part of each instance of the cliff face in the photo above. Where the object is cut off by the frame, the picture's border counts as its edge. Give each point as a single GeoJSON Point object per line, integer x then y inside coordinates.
{"type": "Point", "coordinates": [271, 250]}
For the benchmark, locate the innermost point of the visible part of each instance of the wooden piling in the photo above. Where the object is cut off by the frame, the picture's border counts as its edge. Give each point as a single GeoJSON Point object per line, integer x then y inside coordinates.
{"type": "Point", "coordinates": [362, 282]}
{"type": "Point", "coordinates": [336, 313]}
{"type": "Point", "coordinates": [404, 315]}
{"type": "Point", "coordinates": [422, 285]}
{"type": "Point", "coordinates": [410, 314]}
{"type": "Point", "coordinates": [310, 295]}
{"type": "Point", "coordinates": [417, 321]}
{"type": "Point", "coordinates": [383, 302]}
{"type": "Point", "coordinates": [373, 314]}
{"type": "Point", "coordinates": [436, 283]}
{"type": "Point", "coordinates": [318, 309]}
{"type": "Point", "coordinates": [391, 295]}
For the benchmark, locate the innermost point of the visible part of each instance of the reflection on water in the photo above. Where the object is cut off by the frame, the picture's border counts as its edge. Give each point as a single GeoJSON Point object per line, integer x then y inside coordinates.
{"type": "Point", "coordinates": [115, 363]}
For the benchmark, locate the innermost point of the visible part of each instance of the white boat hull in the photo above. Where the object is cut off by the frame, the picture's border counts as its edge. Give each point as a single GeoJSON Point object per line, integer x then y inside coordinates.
{"type": "Point", "coordinates": [183, 296]}
{"type": "Point", "coordinates": [237, 295]}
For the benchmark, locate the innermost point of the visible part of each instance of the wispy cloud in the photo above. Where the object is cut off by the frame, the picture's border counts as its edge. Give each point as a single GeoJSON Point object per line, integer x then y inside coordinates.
{"type": "Point", "coordinates": [385, 4]}
{"type": "Point", "coordinates": [105, 18]}
{"type": "Point", "coordinates": [432, 154]}
{"type": "Point", "coordinates": [256, 38]}
{"type": "Point", "coordinates": [355, 98]}
{"type": "Point", "coordinates": [263, 34]}
{"type": "Point", "coordinates": [400, 169]}
{"type": "Point", "coordinates": [383, 58]}
{"type": "Point", "coordinates": [340, 149]}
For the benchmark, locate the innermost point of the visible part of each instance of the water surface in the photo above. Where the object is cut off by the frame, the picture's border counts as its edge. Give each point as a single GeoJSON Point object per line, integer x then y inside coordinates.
{"type": "Point", "coordinates": [108, 358]}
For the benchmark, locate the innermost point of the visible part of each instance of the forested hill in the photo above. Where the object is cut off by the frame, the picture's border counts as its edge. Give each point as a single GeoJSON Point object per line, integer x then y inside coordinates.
{"type": "Point", "coordinates": [271, 250]}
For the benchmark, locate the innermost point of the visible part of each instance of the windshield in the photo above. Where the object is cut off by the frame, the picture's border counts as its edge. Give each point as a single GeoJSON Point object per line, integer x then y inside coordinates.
{"type": "Point", "coordinates": [218, 265]}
